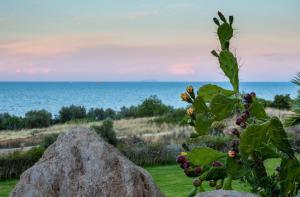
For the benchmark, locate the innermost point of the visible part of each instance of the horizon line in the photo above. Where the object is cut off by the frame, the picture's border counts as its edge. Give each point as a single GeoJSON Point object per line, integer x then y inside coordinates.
{"type": "Point", "coordinates": [137, 81]}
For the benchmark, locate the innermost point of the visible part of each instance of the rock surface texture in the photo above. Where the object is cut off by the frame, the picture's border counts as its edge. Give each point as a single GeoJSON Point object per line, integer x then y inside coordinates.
{"type": "Point", "coordinates": [225, 193]}
{"type": "Point", "coordinates": [80, 163]}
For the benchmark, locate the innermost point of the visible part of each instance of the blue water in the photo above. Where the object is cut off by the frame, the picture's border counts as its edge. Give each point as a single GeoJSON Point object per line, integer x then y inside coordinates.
{"type": "Point", "coordinates": [19, 97]}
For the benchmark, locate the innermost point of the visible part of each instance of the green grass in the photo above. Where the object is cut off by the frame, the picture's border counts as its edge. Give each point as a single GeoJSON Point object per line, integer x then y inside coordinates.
{"type": "Point", "coordinates": [173, 182]}
{"type": "Point", "coordinates": [6, 187]}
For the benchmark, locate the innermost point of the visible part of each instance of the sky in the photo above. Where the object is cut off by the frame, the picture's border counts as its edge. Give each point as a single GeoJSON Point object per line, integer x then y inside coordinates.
{"type": "Point", "coordinates": [145, 40]}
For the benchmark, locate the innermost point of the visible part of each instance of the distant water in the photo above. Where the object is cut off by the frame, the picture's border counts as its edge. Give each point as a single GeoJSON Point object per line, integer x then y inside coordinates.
{"type": "Point", "coordinates": [19, 97]}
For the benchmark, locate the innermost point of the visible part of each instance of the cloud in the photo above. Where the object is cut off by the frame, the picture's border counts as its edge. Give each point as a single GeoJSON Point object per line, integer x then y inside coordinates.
{"type": "Point", "coordinates": [53, 45]}
{"type": "Point", "coordinates": [32, 70]}
{"type": "Point", "coordinates": [182, 69]}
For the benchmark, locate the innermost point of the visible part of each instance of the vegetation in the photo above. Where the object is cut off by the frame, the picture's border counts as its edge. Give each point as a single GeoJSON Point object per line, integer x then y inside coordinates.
{"type": "Point", "coordinates": [256, 139]}
{"type": "Point", "coordinates": [6, 187]}
{"type": "Point", "coordinates": [281, 102]}
{"type": "Point", "coordinates": [37, 119]}
{"type": "Point", "coordinates": [295, 118]}
{"type": "Point", "coordinates": [174, 116]}
{"type": "Point", "coordinates": [72, 113]}
{"type": "Point", "coordinates": [146, 153]}
{"type": "Point", "coordinates": [8, 122]}
{"type": "Point", "coordinates": [107, 132]}
{"type": "Point", "coordinates": [14, 164]}
{"type": "Point", "coordinates": [150, 107]}
{"type": "Point", "coordinates": [49, 139]}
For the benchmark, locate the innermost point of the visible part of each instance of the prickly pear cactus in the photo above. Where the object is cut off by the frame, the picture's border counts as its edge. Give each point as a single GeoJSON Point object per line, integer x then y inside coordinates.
{"type": "Point", "coordinates": [256, 137]}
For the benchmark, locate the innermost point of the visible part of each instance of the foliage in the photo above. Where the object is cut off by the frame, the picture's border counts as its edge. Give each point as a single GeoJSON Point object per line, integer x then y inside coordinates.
{"type": "Point", "coordinates": [295, 118]}
{"type": "Point", "coordinates": [14, 164]}
{"type": "Point", "coordinates": [49, 139]}
{"type": "Point", "coordinates": [110, 113]}
{"type": "Point", "coordinates": [127, 112]}
{"type": "Point", "coordinates": [38, 119]}
{"type": "Point", "coordinates": [281, 102]}
{"type": "Point", "coordinates": [152, 106]}
{"type": "Point", "coordinates": [147, 154]}
{"type": "Point", "coordinates": [106, 131]}
{"type": "Point", "coordinates": [11, 122]}
{"type": "Point", "coordinates": [255, 139]}
{"type": "Point", "coordinates": [72, 113]}
{"type": "Point", "coordinates": [219, 143]}
{"type": "Point", "coordinates": [172, 117]}
{"type": "Point", "coordinates": [96, 114]}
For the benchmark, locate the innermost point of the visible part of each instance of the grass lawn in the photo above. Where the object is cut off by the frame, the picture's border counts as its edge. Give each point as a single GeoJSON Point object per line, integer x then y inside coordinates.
{"type": "Point", "coordinates": [6, 187]}
{"type": "Point", "coordinates": [170, 179]}
{"type": "Point", "coordinates": [173, 182]}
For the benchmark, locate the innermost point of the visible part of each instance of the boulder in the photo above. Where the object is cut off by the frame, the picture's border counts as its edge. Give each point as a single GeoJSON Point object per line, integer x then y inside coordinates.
{"type": "Point", "coordinates": [226, 193]}
{"type": "Point", "coordinates": [80, 163]}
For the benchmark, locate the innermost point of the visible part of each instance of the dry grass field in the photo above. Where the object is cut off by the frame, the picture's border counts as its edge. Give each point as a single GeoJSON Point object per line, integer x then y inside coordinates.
{"type": "Point", "coordinates": [144, 128]}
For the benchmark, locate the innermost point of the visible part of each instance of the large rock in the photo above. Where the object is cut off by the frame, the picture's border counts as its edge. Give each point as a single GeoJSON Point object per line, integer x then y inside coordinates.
{"type": "Point", "coordinates": [80, 163]}
{"type": "Point", "coordinates": [225, 193]}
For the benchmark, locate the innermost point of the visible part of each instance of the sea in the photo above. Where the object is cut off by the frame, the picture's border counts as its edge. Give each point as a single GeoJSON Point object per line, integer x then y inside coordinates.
{"type": "Point", "coordinates": [19, 97]}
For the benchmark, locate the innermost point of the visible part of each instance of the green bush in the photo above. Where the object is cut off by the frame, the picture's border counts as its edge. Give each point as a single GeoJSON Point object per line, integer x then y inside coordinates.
{"type": "Point", "coordinates": [219, 143]}
{"type": "Point", "coordinates": [96, 114]}
{"type": "Point", "coordinates": [265, 103]}
{"type": "Point", "coordinates": [106, 131]}
{"type": "Point", "coordinates": [174, 116]}
{"type": "Point", "coordinates": [152, 106]}
{"type": "Point", "coordinates": [14, 164]}
{"type": "Point", "coordinates": [110, 114]}
{"type": "Point", "coordinates": [38, 119]}
{"type": "Point", "coordinates": [127, 112]}
{"type": "Point", "coordinates": [49, 139]}
{"type": "Point", "coordinates": [150, 154]}
{"type": "Point", "coordinates": [8, 122]}
{"type": "Point", "coordinates": [282, 102]}
{"type": "Point", "coordinates": [72, 113]}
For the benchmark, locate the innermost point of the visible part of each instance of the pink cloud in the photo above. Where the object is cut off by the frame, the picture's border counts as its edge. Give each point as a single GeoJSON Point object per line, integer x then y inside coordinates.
{"type": "Point", "coordinates": [182, 69]}
{"type": "Point", "coordinates": [54, 45]}
{"type": "Point", "coordinates": [32, 71]}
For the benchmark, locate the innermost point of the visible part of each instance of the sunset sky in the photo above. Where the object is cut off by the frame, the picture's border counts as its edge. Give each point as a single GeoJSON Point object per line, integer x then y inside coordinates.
{"type": "Point", "coordinates": [137, 40]}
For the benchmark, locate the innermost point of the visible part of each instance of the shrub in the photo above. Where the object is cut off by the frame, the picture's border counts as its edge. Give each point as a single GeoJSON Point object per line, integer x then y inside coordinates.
{"type": "Point", "coordinates": [150, 154]}
{"type": "Point", "coordinates": [256, 138]}
{"type": "Point", "coordinates": [96, 114]}
{"type": "Point", "coordinates": [8, 122]}
{"type": "Point", "coordinates": [219, 143]}
{"type": "Point", "coordinates": [265, 103]}
{"type": "Point", "coordinates": [172, 117]}
{"type": "Point", "coordinates": [14, 164]}
{"type": "Point", "coordinates": [282, 102]}
{"type": "Point", "coordinates": [72, 113]}
{"type": "Point", "coordinates": [37, 119]}
{"type": "Point", "coordinates": [127, 112]}
{"type": "Point", "coordinates": [49, 139]}
{"type": "Point", "coordinates": [106, 131]}
{"type": "Point", "coordinates": [152, 106]}
{"type": "Point", "coordinates": [294, 119]}
{"type": "Point", "coordinates": [110, 114]}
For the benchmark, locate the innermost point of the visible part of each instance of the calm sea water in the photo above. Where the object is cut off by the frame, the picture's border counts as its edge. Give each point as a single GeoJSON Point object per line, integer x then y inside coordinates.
{"type": "Point", "coordinates": [19, 97]}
